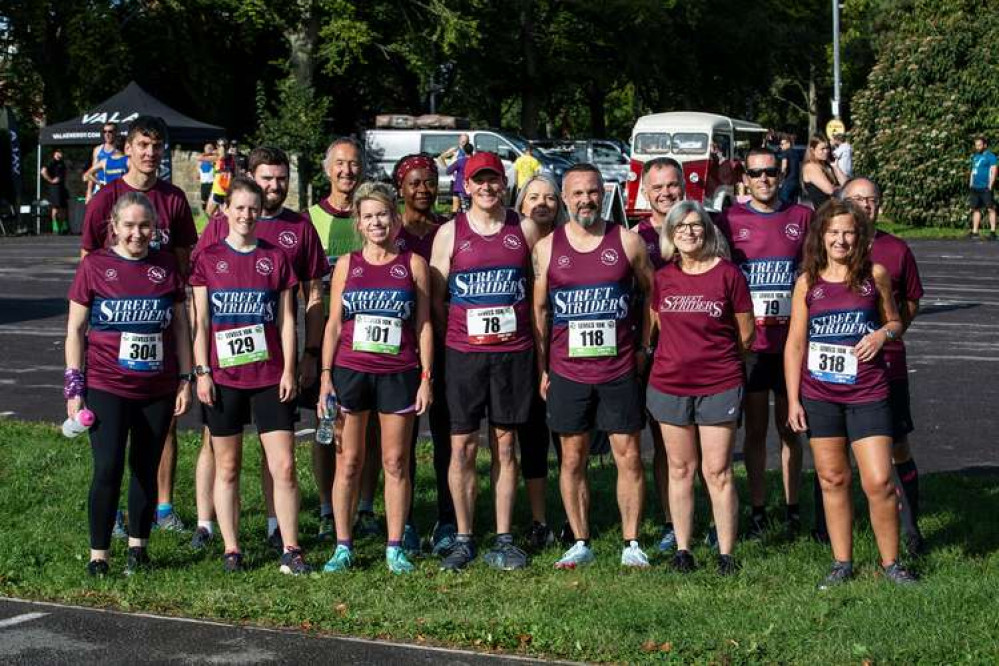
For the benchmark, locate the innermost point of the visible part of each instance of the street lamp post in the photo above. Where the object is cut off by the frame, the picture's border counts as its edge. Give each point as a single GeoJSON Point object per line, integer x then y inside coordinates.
{"type": "Point", "coordinates": [835, 99]}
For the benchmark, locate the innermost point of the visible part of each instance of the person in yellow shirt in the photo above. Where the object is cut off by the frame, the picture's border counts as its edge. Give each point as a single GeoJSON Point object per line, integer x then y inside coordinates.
{"type": "Point", "coordinates": [526, 166]}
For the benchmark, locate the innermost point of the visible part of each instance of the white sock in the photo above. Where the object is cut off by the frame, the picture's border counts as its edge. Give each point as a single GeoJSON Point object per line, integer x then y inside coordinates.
{"type": "Point", "coordinates": [208, 525]}
{"type": "Point", "coordinates": [271, 525]}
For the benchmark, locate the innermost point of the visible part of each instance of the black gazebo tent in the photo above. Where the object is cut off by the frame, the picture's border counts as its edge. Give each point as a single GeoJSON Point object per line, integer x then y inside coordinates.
{"type": "Point", "coordinates": [122, 108]}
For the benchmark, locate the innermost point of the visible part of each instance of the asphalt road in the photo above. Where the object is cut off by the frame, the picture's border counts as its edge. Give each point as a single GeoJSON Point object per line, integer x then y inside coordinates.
{"type": "Point", "coordinates": [953, 344]}
{"type": "Point", "coordinates": [52, 634]}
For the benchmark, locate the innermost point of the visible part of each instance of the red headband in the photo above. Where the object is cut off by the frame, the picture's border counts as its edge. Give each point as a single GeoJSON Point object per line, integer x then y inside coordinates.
{"type": "Point", "coordinates": [413, 162]}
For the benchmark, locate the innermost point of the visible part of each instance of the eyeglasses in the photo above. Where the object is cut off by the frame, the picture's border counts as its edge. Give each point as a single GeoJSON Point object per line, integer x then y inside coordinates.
{"type": "Point", "coordinates": [862, 200]}
{"type": "Point", "coordinates": [107, 131]}
{"type": "Point", "coordinates": [692, 228]}
{"type": "Point", "coordinates": [769, 172]}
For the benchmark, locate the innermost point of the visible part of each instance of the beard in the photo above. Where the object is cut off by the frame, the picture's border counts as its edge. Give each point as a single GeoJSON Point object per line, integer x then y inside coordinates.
{"type": "Point", "coordinates": [586, 217]}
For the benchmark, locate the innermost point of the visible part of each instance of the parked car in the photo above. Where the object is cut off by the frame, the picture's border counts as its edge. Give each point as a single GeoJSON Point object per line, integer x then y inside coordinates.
{"type": "Point", "coordinates": [603, 154]}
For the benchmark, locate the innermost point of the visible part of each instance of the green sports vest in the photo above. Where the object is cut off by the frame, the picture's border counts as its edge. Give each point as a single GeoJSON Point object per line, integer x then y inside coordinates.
{"type": "Point", "coordinates": [337, 236]}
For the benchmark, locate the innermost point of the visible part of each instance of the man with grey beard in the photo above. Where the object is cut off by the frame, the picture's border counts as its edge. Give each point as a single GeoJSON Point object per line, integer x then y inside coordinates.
{"type": "Point", "coordinates": [590, 366]}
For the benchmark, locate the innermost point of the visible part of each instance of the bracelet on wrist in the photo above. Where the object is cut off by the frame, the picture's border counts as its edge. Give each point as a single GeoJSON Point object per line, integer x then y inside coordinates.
{"type": "Point", "coordinates": [74, 383]}
{"type": "Point", "coordinates": [425, 375]}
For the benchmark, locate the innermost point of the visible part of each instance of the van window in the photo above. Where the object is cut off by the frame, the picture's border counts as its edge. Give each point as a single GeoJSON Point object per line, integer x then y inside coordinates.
{"type": "Point", "coordinates": [494, 144]}
{"type": "Point", "coordinates": [650, 143]}
{"type": "Point", "coordinates": [604, 153]}
{"type": "Point", "coordinates": [435, 144]}
{"type": "Point", "coordinates": [689, 143]}
{"type": "Point", "coordinates": [724, 143]}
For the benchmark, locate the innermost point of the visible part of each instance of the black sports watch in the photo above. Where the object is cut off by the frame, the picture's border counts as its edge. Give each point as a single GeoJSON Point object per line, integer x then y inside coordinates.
{"type": "Point", "coordinates": [186, 377]}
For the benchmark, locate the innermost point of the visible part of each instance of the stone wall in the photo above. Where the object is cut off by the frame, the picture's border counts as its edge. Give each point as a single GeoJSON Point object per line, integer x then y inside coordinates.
{"type": "Point", "coordinates": [185, 176]}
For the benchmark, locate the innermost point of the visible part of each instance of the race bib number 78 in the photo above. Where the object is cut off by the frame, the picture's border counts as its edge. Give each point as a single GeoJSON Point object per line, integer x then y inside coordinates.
{"type": "Point", "coordinates": [488, 326]}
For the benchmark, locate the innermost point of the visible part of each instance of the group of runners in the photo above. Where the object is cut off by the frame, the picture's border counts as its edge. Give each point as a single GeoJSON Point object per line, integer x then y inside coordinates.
{"type": "Point", "coordinates": [549, 323]}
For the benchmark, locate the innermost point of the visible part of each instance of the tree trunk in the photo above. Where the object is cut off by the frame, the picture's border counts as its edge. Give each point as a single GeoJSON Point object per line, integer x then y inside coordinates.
{"type": "Point", "coordinates": [813, 103]}
{"type": "Point", "coordinates": [530, 104]}
{"type": "Point", "coordinates": [302, 65]}
{"type": "Point", "coordinates": [595, 98]}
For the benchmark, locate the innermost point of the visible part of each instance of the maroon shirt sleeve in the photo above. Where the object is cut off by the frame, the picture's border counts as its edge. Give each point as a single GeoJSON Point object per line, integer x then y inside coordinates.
{"type": "Point", "coordinates": [79, 291]}
{"type": "Point", "coordinates": [197, 277]}
{"type": "Point", "coordinates": [96, 220]}
{"type": "Point", "coordinates": [212, 234]}
{"type": "Point", "coordinates": [913, 287]}
{"type": "Point", "coordinates": [288, 277]}
{"type": "Point", "coordinates": [183, 233]}
{"type": "Point", "coordinates": [739, 290]}
{"type": "Point", "coordinates": [316, 263]}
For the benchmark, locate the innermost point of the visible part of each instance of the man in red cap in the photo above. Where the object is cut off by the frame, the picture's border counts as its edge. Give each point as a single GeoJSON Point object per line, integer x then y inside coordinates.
{"type": "Point", "coordinates": [482, 260]}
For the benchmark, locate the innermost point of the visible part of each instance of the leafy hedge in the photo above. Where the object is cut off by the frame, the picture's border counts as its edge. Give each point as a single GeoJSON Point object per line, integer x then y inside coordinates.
{"type": "Point", "coordinates": [930, 92]}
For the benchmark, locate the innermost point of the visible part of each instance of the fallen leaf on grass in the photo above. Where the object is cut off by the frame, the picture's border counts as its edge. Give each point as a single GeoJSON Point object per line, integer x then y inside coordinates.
{"type": "Point", "coordinates": [649, 646]}
{"type": "Point", "coordinates": [341, 609]}
{"type": "Point", "coordinates": [525, 639]}
{"type": "Point", "coordinates": [420, 638]}
{"type": "Point", "coordinates": [666, 647]}
{"type": "Point", "coordinates": [306, 625]}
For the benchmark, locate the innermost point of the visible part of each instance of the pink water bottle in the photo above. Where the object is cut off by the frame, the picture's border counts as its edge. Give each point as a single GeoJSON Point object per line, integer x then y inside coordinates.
{"type": "Point", "coordinates": [77, 426]}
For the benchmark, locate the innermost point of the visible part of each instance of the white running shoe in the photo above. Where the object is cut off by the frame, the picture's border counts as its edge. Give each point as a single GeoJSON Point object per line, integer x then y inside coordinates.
{"type": "Point", "coordinates": [633, 556]}
{"type": "Point", "coordinates": [577, 556]}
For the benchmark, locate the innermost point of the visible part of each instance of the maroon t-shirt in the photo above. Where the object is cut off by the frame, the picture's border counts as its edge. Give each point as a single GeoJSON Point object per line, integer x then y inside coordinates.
{"type": "Point", "coordinates": [894, 254]}
{"type": "Point", "coordinates": [244, 290]}
{"type": "Point", "coordinates": [698, 350]}
{"type": "Point", "coordinates": [131, 350]}
{"type": "Point", "coordinates": [767, 247]}
{"type": "Point", "coordinates": [838, 318]}
{"type": "Point", "coordinates": [421, 245]}
{"type": "Point", "coordinates": [650, 234]}
{"type": "Point", "coordinates": [383, 300]}
{"type": "Point", "coordinates": [175, 223]}
{"type": "Point", "coordinates": [290, 231]}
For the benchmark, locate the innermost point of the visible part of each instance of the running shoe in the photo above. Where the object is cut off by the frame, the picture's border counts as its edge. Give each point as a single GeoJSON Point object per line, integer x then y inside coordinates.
{"type": "Point", "coordinates": [169, 523]}
{"type": "Point", "coordinates": [757, 527]}
{"type": "Point", "coordinates": [899, 575]}
{"type": "Point", "coordinates": [992, 235]}
{"type": "Point", "coordinates": [579, 555]}
{"type": "Point", "coordinates": [539, 536]}
{"type": "Point", "coordinates": [668, 541]}
{"type": "Point", "coordinates": [506, 557]}
{"type": "Point", "coordinates": [343, 559]}
{"type": "Point", "coordinates": [201, 539]}
{"type": "Point", "coordinates": [97, 568]}
{"type": "Point", "coordinates": [232, 562]}
{"type": "Point", "coordinates": [566, 536]}
{"type": "Point", "coordinates": [711, 538]}
{"type": "Point", "coordinates": [327, 531]}
{"type": "Point", "coordinates": [443, 539]}
{"type": "Point", "coordinates": [461, 556]}
{"type": "Point", "coordinates": [120, 527]}
{"type": "Point", "coordinates": [915, 545]}
{"type": "Point", "coordinates": [633, 556]}
{"type": "Point", "coordinates": [840, 573]}
{"type": "Point", "coordinates": [275, 541]}
{"type": "Point", "coordinates": [293, 563]}
{"type": "Point", "coordinates": [366, 525]}
{"type": "Point", "coordinates": [683, 562]}
{"type": "Point", "coordinates": [396, 560]}
{"type": "Point", "coordinates": [792, 526]}
{"type": "Point", "coordinates": [727, 565]}
{"type": "Point", "coordinates": [411, 541]}
{"type": "Point", "coordinates": [137, 559]}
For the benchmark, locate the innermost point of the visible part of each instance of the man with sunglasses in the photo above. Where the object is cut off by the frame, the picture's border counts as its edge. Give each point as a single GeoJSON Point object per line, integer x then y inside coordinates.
{"type": "Point", "coordinates": [767, 239]}
{"type": "Point", "coordinates": [101, 153]}
{"type": "Point", "coordinates": [895, 255]}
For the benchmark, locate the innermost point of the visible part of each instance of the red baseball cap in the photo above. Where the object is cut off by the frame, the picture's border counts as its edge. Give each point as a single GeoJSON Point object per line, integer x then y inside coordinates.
{"type": "Point", "coordinates": [484, 161]}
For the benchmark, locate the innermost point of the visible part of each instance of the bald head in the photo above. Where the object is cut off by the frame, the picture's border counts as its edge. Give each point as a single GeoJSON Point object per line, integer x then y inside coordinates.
{"type": "Point", "coordinates": [863, 193]}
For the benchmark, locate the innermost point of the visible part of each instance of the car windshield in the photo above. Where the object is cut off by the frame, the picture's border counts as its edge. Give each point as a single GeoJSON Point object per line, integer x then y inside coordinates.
{"type": "Point", "coordinates": [689, 143]}
{"type": "Point", "coordinates": [518, 141]}
{"type": "Point", "coordinates": [652, 143]}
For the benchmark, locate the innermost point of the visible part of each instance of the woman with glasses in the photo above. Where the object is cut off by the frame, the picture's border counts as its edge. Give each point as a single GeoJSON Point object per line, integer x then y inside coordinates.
{"type": "Point", "coordinates": [701, 304]}
{"type": "Point", "coordinates": [820, 177]}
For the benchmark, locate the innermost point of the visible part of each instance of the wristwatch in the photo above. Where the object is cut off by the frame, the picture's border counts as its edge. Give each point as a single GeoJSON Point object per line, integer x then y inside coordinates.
{"type": "Point", "coordinates": [890, 335]}
{"type": "Point", "coordinates": [186, 377]}
{"type": "Point", "coordinates": [201, 370]}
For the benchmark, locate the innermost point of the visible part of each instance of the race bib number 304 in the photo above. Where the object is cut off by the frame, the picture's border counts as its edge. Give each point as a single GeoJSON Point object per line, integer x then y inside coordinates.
{"type": "Point", "coordinates": [141, 351]}
{"type": "Point", "coordinates": [381, 335]}
{"type": "Point", "coordinates": [591, 339]}
{"type": "Point", "coordinates": [771, 308]}
{"type": "Point", "coordinates": [239, 346]}
{"type": "Point", "coordinates": [489, 326]}
{"type": "Point", "coordinates": [834, 364]}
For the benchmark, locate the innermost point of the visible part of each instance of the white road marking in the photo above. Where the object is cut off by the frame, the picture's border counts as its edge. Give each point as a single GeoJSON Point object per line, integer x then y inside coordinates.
{"type": "Point", "coordinates": [35, 368]}
{"type": "Point", "coordinates": [20, 619]}
{"type": "Point", "coordinates": [6, 414]}
{"type": "Point", "coordinates": [33, 331]}
{"type": "Point", "coordinates": [937, 357]}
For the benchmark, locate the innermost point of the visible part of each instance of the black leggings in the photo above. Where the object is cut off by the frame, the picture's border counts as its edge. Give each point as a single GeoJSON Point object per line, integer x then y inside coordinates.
{"type": "Point", "coordinates": [147, 422]}
{"type": "Point", "coordinates": [533, 437]}
{"type": "Point", "coordinates": [440, 431]}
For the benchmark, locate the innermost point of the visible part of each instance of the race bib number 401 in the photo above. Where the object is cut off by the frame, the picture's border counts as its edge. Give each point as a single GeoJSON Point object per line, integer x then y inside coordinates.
{"type": "Point", "coordinates": [239, 346]}
{"type": "Point", "coordinates": [381, 335]}
{"type": "Point", "coordinates": [591, 339]}
{"type": "Point", "coordinates": [834, 364]}
{"type": "Point", "coordinates": [141, 351]}
{"type": "Point", "coordinates": [489, 326]}
{"type": "Point", "coordinates": [771, 308]}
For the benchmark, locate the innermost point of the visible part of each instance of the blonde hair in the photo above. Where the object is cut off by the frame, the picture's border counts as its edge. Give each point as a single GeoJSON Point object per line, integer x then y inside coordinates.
{"type": "Point", "coordinates": [127, 200]}
{"type": "Point", "coordinates": [374, 191]}
{"type": "Point", "coordinates": [714, 242]}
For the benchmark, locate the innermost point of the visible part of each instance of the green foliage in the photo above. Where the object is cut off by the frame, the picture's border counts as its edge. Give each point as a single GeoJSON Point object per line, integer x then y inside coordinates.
{"type": "Point", "coordinates": [928, 94]}
{"type": "Point", "coordinates": [768, 613]}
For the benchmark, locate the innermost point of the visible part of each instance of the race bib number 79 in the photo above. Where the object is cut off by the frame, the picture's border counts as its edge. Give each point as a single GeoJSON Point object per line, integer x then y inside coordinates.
{"type": "Point", "coordinates": [771, 308]}
{"type": "Point", "coordinates": [834, 364]}
{"type": "Point", "coordinates": [239, 346]}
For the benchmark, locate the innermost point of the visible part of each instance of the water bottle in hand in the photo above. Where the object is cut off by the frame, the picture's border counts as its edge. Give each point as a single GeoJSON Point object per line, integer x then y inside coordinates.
{"type": "Point", "coordinates": [324, 432]}
{"type": "Point", "coordinates": [80, 424]}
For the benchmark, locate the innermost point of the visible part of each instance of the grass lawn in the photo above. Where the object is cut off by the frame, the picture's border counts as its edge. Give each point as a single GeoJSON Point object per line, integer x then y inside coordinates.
{"type": "Point", "coordinates": [923, 233]}
{"type": "Point", "coordinates": [770, 612]}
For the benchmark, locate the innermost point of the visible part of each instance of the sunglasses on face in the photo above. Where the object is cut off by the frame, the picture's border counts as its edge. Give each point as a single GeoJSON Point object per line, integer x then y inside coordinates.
{"type": "Point", "coordinates": [769, 172]}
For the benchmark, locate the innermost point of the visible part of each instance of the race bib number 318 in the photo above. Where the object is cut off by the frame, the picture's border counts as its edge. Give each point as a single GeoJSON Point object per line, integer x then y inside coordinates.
{"type": "Point", "coordinates": [833, 364]}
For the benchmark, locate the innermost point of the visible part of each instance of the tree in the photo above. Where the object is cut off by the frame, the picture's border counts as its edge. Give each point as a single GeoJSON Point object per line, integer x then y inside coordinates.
{"type": "Point", "coordinates": [928, 94]}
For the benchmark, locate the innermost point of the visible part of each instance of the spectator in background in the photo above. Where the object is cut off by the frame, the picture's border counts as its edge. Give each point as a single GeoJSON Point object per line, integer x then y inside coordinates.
{"type": "Point", "coordinates": [206, 172]}
{"type": "Point", "coordinates": [843, 154]}
{"type": "Point", "coordinates": [108, 169]}
{"type": "Point", "coordinates": [820, 177]}
{"type": "Point", "coordinates": [224, 169]}
{"type": "Point", "coordinates": [790, 170]}
{"type": "Point", "coordinates": [461, 152]}
{"type": "Point", "coordinates": [109, 132]}
{"type": "Point", "coordinates": [983, 177]}
{"type": "Point", "coordinates": [56, 193]}
{"type": "Point", "coordinates": [526, 166]}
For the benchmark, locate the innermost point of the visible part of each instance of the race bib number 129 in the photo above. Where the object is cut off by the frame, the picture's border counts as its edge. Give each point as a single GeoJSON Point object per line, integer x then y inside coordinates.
{"type": "Point", "coordinates": [488, 326]}
{"type": "Point", "coordinates": [834, 364]}
{"type": "Point", "coordinates": [239, 346]}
